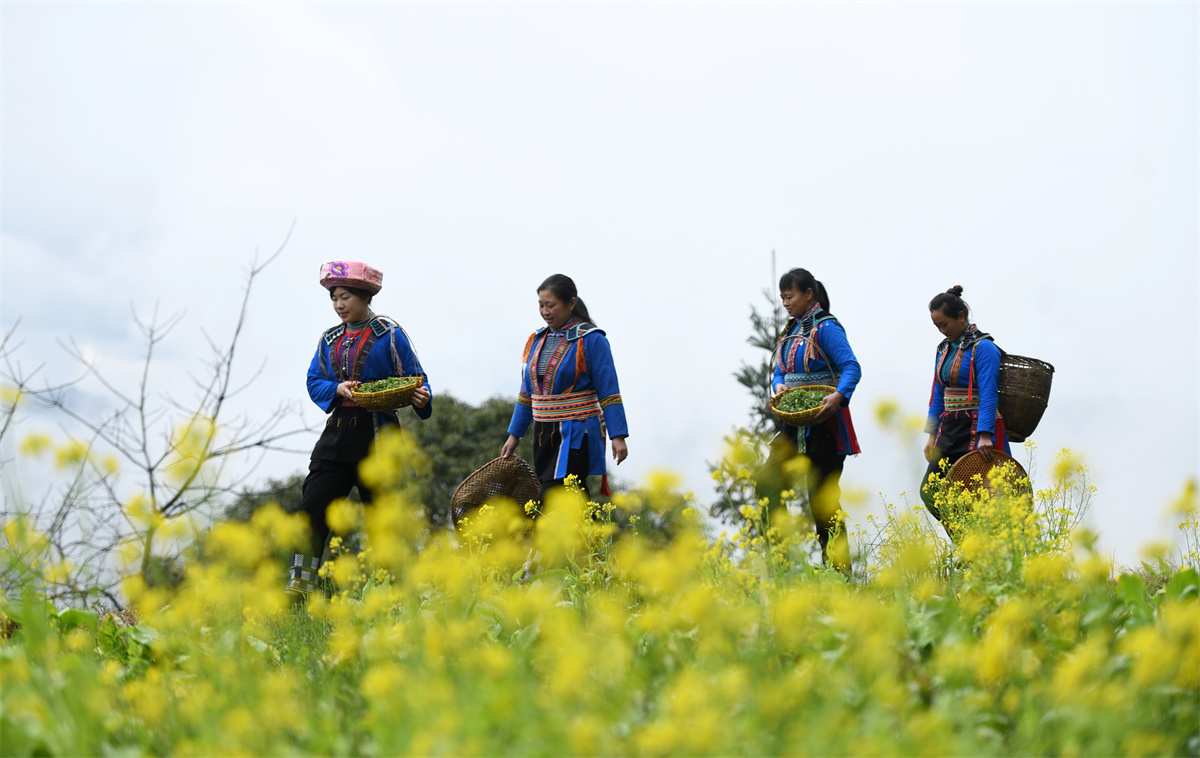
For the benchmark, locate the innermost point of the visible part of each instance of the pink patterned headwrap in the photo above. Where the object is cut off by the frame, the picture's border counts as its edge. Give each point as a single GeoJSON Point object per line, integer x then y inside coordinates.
{"type": "Point", "coordinates": [351, 274]}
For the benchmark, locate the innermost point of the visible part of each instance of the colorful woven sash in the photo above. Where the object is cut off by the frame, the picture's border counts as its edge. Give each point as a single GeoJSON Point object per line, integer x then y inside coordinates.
{"type": "Point", "coordinates": [570, 406]}
{"type": "Point", "coordinates": [792, 381]}
{"type": "Point", "coordinates": [960, 399]}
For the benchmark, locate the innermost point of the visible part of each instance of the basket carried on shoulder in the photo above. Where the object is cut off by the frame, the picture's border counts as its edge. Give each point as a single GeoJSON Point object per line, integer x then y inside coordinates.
{"type": "Point", "coordinates": [1024, 392]}
{"type": "Point", "coordinates": [800, 418]}
{"type": "Point", "coordinates": [500, 477]}
{"type": "Point", "coordinates": [390, 399]}
{"type": "Point", "coordinates": [967, 467]}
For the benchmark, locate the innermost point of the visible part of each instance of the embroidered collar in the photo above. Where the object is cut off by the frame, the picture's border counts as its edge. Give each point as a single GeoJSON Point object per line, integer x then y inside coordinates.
{"type": "Point", "coordinates": [808, 320]}
{"type": "Point", "coordinates": [970, 336]}
{"type": "Point", "coordinates": [566, 327]}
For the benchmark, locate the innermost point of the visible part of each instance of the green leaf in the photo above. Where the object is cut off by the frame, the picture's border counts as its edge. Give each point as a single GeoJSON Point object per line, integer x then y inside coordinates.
{"type": "Point", "coordinates": [143, 634]}
{"type": "Point", "coordinates": [1131, 590]}
{"type": "Point", "coordinates": [110, 642]}
{"type": "Point", "coordinates": [1184, 585]}
{"type": "Point", "coordinates": [29, 614]}
{"type": "Point", "coordinates": [72, 618]}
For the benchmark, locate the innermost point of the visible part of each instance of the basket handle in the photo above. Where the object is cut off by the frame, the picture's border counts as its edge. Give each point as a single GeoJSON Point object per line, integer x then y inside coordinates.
{"type": "Point", "coordinates": [816, 343]}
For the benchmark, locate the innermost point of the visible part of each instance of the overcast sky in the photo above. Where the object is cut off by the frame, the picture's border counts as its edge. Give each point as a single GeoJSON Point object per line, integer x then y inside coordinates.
{"type": "Point", "coordinates": [1043, 155]}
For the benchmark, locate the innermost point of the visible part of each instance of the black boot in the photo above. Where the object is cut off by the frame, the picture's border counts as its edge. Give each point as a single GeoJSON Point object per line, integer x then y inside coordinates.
{"type": "Point", "coordinates": [302, 576]}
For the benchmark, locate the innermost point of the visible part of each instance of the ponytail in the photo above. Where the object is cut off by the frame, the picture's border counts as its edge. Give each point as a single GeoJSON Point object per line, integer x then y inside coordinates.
{"type": "Point", "coordinates": [801, 280]}
{"type": "Point", "coordinates": [563, 287]}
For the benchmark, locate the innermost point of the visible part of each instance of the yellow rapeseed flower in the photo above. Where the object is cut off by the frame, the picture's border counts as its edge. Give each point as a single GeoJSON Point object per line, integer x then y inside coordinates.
{"type": "Point", "coordinates": [381, 683]}
{"type": "Point", "coordinates": [35, 444]}
{"type": "Point", "coordinates": [238, 544]}
{"type": "Point", "coordinates": [343, 516]}
{"type": "Point", "coordinates": [71, 453]}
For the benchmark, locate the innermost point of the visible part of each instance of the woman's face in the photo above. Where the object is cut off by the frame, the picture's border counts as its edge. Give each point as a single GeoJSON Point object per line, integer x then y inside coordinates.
{"type": "Point", "coordinates": [348, 306]}
{"type": "Point", "coordinates": [555, 312]}
{"type": "Point", "coordinates": [796, 302]}
{"type": "Point", "coordinates": [951, 328]}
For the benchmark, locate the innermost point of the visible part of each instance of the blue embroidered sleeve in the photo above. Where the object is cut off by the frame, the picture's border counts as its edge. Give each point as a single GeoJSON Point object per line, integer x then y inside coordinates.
{"type": "Point", "coordinates": [777, 377]}
{"type": "Point", "coordinates": [522, 409]}
{"type": "Point", "coordinates": [323, 391]}
{"type": "Point", "coordinates": [987, 378]}
{"type": "Point", "coordinates": [832, 339]}
{"type": "Point", "coordinates": [604, 380]}
{"type": "Point", "coordinates": [937, 402]}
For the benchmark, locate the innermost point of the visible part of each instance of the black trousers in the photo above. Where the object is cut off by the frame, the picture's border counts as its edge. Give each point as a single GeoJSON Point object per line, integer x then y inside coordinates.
{"type": "Point", "coordinates": [547, 439]}
{"type": "Point", "coordinates": [327, 481]}
{"type": "Point", "coordinates": [823, 485]}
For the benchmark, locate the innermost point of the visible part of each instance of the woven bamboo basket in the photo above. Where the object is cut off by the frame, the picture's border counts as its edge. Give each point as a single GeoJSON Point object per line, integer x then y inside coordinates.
{"type": "Point", "coordinates": [803, 418]}
{"type": "Point", "coordinates": [972, 464]}
{"type": "Point", "coordinates": [388, 400]}
{"type": "Point", "coordinates": [1024, 392]}
{"type": "Point", "coordinates": [511, 477]}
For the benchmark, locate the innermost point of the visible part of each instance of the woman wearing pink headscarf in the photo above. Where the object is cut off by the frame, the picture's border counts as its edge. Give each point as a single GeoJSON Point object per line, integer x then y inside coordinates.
{"type": "Point", "coordinates": [362, 347]}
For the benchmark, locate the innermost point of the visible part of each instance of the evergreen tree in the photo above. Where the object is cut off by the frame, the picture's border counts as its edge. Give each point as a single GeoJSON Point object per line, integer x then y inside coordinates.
{"type": "Point", "coordinates": [765, 329]}
{"type": "Point", "coordinates": [754, 438]}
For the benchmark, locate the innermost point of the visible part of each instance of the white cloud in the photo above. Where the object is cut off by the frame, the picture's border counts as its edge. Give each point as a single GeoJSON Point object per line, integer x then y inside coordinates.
{"type": "Point", "coordinates": [1043, 156]}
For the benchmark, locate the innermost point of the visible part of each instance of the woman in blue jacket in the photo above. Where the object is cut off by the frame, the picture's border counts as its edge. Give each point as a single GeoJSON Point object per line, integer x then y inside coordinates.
{"type": "Point", "coordinates": [363, 347]}
{"type": "Point", "coordinates": [814, 350]}
{"type": "Point", "coordinates": [964, 403]}
{"type": "Point", "coordinates": [569, 391]}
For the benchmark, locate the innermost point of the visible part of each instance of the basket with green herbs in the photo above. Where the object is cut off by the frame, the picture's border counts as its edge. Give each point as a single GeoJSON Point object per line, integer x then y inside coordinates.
{"type": "Point", "coordinates": [387, 394]}
{"type": "Point", "coordinates": [799, 406]}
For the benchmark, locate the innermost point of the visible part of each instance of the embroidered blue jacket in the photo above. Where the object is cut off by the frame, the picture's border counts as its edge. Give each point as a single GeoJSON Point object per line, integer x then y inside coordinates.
{"type": "Point", "coordinates": [982, 357]}
{"type": "Point", "coordinates": [582, 362]}
{"type": "Point", "coordinates": [832, 344]}
{"type": "Point", "coordinates": [389, 354]}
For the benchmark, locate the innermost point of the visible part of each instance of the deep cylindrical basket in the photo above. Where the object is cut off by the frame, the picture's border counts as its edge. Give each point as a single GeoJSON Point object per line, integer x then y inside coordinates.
{"type": "Point", "coordinates": [1024, 392]}
{"type": "Point", "coordinates": [803, 418]}
{"type": "Point", "coordinates": [387, 400]}
{"type": "Point", "coordinates": [511, 477]}
{"type": "Point", "coordinates": [972, 464]}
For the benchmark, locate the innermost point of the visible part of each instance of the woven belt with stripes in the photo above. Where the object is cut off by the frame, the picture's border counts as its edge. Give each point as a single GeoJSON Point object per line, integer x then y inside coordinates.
{"type": "Point", "coordinates": [573, 406]}
{"type": "Point", "coordinates": [792, 381]}
{"type": "Point", "coordinates": [960, 399]}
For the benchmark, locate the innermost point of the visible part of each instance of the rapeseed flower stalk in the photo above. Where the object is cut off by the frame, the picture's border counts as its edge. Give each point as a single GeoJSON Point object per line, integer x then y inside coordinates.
{"type": "Point", "coordinates": [661, 643]}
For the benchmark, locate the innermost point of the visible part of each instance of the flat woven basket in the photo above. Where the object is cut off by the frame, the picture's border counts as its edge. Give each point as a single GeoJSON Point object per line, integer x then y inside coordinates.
{"type": "Point", "coordinates": [967, 467]}
{"type": "Point", "coordinates": [500, 477]}
{"type": "Point", "coordinates": [803, 418]}
{"type": "Point", "coordinates": [1024, 392]}
{"type": "Point", "coordinates": [387, 400]}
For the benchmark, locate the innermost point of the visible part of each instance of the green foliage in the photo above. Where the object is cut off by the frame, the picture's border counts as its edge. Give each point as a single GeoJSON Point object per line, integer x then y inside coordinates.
{"type": "Point", "coordinates": [619, 643]}
{"type": "Point", "coordinates": [286, 493]}
{"type": "Point", "coordinates": [797, 400]}
{"type": "Point", "coordinates": [391, 383]}
{"type": "Point", "coordinates": [765, 329]}
{"type": "Point", "coordinates": [458, 438]}
{"type": "Point", "coordinates": [616, 644]}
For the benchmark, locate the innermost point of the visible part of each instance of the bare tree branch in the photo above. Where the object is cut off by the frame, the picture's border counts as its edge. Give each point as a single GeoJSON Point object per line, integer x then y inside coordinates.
{"type": "Point", "coordinates": [177, 455]}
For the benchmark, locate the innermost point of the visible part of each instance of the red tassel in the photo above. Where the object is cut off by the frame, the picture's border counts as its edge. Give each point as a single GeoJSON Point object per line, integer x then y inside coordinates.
{"type": "Point", "coordinates": [604, 488]}
{"type": "Point", "coordinates": [852, 438]}
{"type": "Point", "coordinates": [971, 378]}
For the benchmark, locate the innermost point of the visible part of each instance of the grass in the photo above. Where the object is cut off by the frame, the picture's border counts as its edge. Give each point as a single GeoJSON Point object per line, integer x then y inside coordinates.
{"type": "Point", "coordinates": [1019, 639]}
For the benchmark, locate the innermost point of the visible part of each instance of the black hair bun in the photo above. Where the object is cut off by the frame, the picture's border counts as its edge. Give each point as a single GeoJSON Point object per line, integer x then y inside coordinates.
{"type": "Point", "coordinates": [956, 290]}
